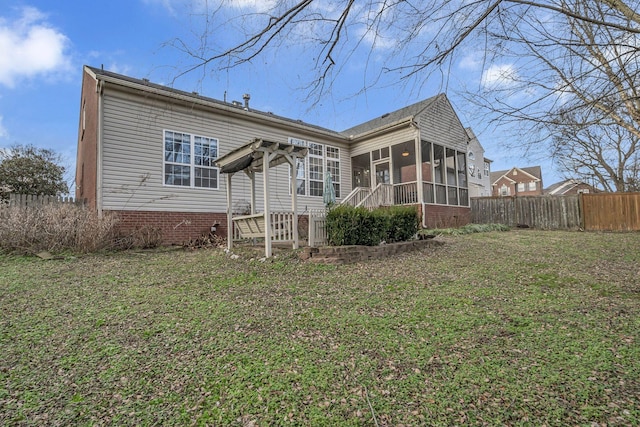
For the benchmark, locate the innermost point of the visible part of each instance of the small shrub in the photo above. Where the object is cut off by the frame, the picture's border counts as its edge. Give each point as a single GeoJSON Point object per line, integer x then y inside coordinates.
{"type": "Point", "coordinates": [347, 225]}
{"type": "Point", "coordinates": [403, 223]}
{"type": "Point", "coordinates": [55, 228]}
{"type": "Point", "coordinates": [145, 237]}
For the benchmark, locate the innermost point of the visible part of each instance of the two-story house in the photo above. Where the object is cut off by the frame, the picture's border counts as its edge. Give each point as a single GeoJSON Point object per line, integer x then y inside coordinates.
{"type": "Point", "coordinates": [517, 182]}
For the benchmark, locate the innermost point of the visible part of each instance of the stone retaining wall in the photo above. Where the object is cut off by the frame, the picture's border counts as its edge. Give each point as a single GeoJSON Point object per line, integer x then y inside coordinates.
{"type": "Point", "coordinates": [355, 253]}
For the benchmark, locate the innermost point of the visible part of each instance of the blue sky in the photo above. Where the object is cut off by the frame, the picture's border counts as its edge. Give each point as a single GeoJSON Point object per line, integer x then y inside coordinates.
{"type": "Point", "coordinates": [44, 45]}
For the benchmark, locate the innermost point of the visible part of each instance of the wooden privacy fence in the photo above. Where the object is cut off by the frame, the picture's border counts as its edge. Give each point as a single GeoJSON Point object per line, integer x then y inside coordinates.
{"type": "Point", "coordinates": [601, 211]}
{"type": "Point", "coordinates": [611, 211]}
{"type": "Point", "coordinates": [30, 200]}
{"type": "Point", "coordinates": [544, 212]}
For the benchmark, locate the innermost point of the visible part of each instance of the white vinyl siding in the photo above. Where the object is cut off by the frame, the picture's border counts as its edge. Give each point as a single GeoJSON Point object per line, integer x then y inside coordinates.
{"type": "Point", "coordinates": [440, 124]}
{"type": "Point", "coordinates": [132, 150]}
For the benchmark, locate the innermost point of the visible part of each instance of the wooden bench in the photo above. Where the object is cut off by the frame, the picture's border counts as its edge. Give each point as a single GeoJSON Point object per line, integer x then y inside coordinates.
{"type": "Point", "coordinates": [250, 226]}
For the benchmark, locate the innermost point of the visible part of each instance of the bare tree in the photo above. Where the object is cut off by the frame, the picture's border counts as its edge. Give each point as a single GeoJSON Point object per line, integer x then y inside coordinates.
{"type": "Point", "coordinates": [572, 84]}
{"type": "Point", "coordinates": [547, 63]}
{"type": "Point", "coordinates": [604, 155]}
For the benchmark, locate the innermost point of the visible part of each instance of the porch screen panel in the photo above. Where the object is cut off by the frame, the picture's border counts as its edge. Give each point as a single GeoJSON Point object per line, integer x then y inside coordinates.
{"type": "Point", "coordinates": [429, 196]}
{"type": "Point", "coordinates": [361, 170]}
{"type": "Point", "coordinates": [439, 174]}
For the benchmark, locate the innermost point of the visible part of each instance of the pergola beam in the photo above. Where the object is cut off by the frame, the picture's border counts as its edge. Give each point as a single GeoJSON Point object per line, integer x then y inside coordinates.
{"type": "Point", "coordinates": [260, 156]}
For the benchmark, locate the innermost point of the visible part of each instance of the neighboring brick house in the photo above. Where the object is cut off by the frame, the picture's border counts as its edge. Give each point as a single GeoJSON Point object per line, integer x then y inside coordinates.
{"type": "Point", "coordinates": [570, 186]}
{"type": "Point", "coordinates": [517, 182]}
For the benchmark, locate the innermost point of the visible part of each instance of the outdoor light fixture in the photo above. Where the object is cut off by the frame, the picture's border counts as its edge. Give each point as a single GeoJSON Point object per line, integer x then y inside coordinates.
{"type": "Point", "coordinates": [405, 153]}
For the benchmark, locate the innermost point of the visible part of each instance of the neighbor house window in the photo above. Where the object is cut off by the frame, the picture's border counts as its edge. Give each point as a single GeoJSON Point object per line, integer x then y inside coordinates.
{"type": "Point", "coordinates": [189, 160]}
{"type": "Point", "coordinates": [311, 171]}
{"type": "Point", "coordinates": [521, 187]}
{"type": "Point", "coordinates": [486, 168]}
{"type": "Point", "coordinates": [532, 186]}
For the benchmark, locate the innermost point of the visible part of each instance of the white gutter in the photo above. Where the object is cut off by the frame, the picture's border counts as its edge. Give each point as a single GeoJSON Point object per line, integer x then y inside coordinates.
{"type": "Point", "coordinates": [238, 111]}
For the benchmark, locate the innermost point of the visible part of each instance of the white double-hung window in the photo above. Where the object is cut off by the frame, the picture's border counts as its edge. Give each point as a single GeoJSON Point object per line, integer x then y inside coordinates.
{"type": "Point", "coordinates": [311, 170]}
{"type": "Point", "coordinates": [189, 160]}
{"type": "Point", "coordinates": [316, 169]}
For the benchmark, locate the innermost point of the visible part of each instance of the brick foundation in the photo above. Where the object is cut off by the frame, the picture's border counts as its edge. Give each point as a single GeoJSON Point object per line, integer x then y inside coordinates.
{"type": "Point", "coordinates": [437, 216]}
{"type": "Point", "coordinates": [175, 227]}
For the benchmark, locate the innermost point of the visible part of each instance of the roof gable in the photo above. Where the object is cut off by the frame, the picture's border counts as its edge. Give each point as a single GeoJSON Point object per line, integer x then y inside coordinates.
{"type": "Point", "coordinates": [392, 117]}
{"type": "Point", "coordinates": [533, 172]}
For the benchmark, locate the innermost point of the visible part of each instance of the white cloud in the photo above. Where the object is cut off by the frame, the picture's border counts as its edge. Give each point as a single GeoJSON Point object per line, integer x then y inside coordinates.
{"type": "Point", "coordinates": [504, 75]}
{"type": "Point", "coordinates": [173, 6]}
{"type": "Point", "coordinates": [167, 4]}
{"type": "Point", "coordinates": [256, 5]}
{"type": "Point", "coordinates": [472, 62]}
{"type": "Point", "coordinates": [30, 47]}
{"type": "Point", "coordinates": [376, 41]}
{"type": "Point", "coordinates": [3, 131]}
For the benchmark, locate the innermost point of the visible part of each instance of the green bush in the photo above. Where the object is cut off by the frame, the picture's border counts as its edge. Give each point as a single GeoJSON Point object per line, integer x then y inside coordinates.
{"type": "Point", "coordinates": [403, 223]}
{"type": "Point", "coordinates": [347, 225]}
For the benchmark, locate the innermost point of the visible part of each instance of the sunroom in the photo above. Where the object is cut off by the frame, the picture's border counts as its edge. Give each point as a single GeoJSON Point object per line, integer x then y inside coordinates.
{"type": "Point", "coordinates": [409, 173]}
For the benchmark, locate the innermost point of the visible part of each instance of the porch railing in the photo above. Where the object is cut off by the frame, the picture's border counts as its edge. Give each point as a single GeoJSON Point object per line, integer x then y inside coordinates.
{"type": "Point", "coordinates": [382, 195]}
{"type": "Point", "coordinates": [356, 196]}
{"type": "Point", "coordinates": [405, 193]}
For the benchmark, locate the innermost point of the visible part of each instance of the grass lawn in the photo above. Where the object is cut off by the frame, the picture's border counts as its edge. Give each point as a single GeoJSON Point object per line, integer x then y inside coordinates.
{"type": "Point", "coordinates": [514, 328]}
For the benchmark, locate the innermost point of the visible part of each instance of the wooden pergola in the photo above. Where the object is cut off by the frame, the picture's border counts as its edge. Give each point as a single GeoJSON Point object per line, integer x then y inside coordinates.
{"type": "Point", "coordinates": [259, 156]}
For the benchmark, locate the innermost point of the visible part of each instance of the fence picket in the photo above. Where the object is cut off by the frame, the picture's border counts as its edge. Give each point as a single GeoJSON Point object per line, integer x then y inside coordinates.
{"type": "Point", "coordinates": [599, 211]}
{"type": "Point", "coordinates": [32, 200]}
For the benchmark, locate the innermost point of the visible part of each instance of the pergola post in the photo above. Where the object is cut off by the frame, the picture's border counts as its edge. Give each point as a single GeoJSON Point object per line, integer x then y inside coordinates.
{"type": "Point", "coordinates": [267, 207]}
{"type": "Point", "coordinates": [252, 189]}
{"type": "Point", "coordinates": [229, 214]}
{"type": "Point", "coordinates": [294, 198]}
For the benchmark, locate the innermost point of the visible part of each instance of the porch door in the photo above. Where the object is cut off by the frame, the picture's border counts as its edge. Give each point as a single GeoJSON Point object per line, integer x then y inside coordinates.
{"type": "Point", "coordinates": [383, 175]}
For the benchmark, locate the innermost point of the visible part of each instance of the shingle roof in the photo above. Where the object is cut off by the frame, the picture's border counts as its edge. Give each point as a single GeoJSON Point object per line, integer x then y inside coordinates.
{"type": "Point", "coordinates": [394, 116]}
{"type": "Point", "coordinates": [536, 171]}
{"type": "Point", "coordinates": [196, 96]}
{"type": "Point", "coordinates": [563, 186]}
{"type": "Point", "coordinates": [385, 119]}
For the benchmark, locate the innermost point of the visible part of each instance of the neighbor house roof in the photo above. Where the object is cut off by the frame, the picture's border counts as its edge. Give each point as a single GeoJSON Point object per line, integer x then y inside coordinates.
{"type": "Point", "coordinates": [392, 117]}
{"type": "Point", "coordinates": [534, 171]}
{"type": "Point", "coordinates": [563, 187]}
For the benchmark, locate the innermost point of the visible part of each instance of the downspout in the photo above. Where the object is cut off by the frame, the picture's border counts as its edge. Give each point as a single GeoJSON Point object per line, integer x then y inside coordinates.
{"type": "Point", "coordinates": [100, 92]}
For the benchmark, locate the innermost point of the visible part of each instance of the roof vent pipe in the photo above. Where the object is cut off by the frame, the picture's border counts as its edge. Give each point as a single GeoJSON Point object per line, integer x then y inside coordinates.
{"type": "Point", "coordinates": [246, 98]}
